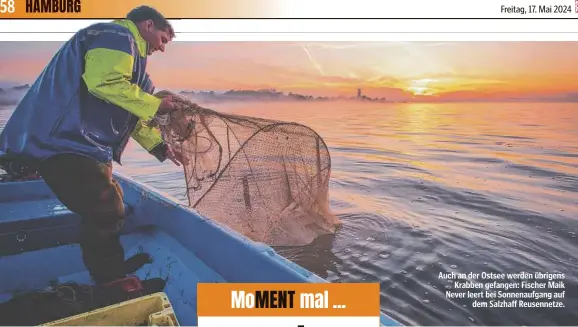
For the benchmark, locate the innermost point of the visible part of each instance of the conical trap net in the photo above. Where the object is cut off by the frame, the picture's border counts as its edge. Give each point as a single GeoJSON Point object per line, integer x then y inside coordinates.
{"type": "Point", "coordinates": [266, 179]}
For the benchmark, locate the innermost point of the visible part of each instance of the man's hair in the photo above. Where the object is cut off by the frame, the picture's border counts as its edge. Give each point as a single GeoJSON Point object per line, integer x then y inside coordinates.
{"type": "Point", "coordinates": [143, 13]}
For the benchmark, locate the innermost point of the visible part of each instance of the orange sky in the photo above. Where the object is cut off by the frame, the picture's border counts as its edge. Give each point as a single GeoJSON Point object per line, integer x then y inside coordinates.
{"type": "Point", "coordinates": [395, 70]}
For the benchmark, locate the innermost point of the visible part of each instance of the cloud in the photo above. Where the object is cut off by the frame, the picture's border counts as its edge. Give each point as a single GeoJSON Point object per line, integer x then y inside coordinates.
{"type": "Point", "coordinates": [313, 62]}
{"type": "Point", "coordinates": [446, 70]}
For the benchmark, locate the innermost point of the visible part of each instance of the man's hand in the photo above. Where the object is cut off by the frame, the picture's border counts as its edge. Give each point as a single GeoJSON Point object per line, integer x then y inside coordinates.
{"type": "Point", "coordinates": [167, 105]}
{"type": "Point", "coordinates": [175, 156]}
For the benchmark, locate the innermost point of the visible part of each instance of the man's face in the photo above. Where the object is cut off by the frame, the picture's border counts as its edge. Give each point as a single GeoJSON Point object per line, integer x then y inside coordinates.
{"type": "Point", "coordinates": [156, 38]}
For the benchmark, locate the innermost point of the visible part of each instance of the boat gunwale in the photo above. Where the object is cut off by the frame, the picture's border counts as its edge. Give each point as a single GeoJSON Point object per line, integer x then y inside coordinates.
{"type": "Point", "coordinates": [165, 199]}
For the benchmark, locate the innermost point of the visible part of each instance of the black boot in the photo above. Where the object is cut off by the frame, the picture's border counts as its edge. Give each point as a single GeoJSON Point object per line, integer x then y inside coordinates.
{"type": "Point", "coordinates": [136, 262]}
{"type": "Point", "coordinates": [153, 285]}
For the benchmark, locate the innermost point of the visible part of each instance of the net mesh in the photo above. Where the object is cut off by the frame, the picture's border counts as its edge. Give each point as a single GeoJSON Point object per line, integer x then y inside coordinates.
{"type": "Point", "coordinates": [266, 179]}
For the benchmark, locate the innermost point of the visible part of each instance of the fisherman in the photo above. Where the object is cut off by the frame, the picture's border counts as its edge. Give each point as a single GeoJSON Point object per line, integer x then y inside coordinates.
{"type": "Point", "coordinates": [77, 118]}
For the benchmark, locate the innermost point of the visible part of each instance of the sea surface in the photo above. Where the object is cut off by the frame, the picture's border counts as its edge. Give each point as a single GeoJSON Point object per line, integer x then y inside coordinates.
{"type": "Point", "coordinates": [425, 189]}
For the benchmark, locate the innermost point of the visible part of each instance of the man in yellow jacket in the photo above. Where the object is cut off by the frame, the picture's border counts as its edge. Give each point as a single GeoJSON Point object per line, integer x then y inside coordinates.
{"type": "Point", "coordinates": [77, 118]}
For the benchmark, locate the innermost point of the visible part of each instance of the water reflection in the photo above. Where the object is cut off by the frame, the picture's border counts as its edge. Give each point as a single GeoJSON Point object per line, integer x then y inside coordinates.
{"type": "Point", "coordinates": [430, 188]}
{"type": "Point", "coordinates": [318, 257]}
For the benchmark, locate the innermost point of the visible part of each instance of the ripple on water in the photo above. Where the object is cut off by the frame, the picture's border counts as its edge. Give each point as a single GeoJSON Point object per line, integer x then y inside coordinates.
{"type": "Point", "coordinates": [430, 188]}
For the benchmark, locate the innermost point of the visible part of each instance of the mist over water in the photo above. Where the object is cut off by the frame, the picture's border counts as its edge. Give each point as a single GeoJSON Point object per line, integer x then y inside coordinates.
{"type": "Point", "coordinates": [429, 188]}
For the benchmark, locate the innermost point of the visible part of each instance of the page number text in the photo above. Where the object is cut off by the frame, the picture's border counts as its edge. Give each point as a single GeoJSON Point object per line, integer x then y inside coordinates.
{"type": "Point", "coordinates": [7, 6]}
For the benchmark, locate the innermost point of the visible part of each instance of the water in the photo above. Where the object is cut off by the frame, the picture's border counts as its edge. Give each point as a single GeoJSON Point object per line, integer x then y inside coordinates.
{"type": "Point", "coordinates": [430, 188]}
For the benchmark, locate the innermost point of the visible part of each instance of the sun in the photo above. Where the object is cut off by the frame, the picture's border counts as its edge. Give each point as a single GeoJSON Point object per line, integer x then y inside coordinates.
{"type": "Point", "coordinates": [417, 90]}
{"type": "Point", "coordinates": [421, 86]}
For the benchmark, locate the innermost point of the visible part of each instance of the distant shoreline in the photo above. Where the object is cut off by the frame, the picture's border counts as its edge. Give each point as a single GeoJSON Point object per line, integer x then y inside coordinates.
{"type": "Point", "coordinates": [10, 96]}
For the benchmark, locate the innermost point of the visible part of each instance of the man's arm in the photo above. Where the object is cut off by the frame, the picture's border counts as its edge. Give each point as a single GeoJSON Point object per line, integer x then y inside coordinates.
{"type": "Point", "coordinates": [148, 137]}
{"type": "Point", "coordinates": [108, 72]}
{"type": "Point", "coordinates": [151, 140]}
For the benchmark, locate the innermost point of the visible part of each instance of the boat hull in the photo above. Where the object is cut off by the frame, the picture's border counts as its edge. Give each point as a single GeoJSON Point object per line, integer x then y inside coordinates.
{"type": "Point", "coordinates": [39, 245]}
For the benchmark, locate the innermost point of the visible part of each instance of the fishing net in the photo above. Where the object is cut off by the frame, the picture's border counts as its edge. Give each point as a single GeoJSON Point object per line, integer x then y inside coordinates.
{"type": "Point", "coordinates": [266, 179]}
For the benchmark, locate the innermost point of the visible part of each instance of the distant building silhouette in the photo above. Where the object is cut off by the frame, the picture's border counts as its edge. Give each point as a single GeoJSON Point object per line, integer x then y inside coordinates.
{"type": "Point", "coordinates": [359, 93]}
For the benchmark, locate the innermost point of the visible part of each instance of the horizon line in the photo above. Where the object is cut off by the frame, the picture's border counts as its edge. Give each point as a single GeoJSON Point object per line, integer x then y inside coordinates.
{"type": "Point", "coordinates": [309, 98]}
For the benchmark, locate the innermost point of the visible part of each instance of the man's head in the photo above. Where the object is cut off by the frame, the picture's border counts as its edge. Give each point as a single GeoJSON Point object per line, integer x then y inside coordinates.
{"type": "Point", "coordinates": [153, 27]}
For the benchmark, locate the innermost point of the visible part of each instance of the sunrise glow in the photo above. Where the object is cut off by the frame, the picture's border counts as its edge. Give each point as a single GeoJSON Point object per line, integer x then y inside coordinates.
{"type": "Point", "coordinates": [437, 71]}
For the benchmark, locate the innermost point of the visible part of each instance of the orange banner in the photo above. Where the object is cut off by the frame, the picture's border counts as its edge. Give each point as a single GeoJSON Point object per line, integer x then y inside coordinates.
{"type": "Point", "coordinates": [291, 299]}
{"type": "Point", "coordinates": [113, 9]}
